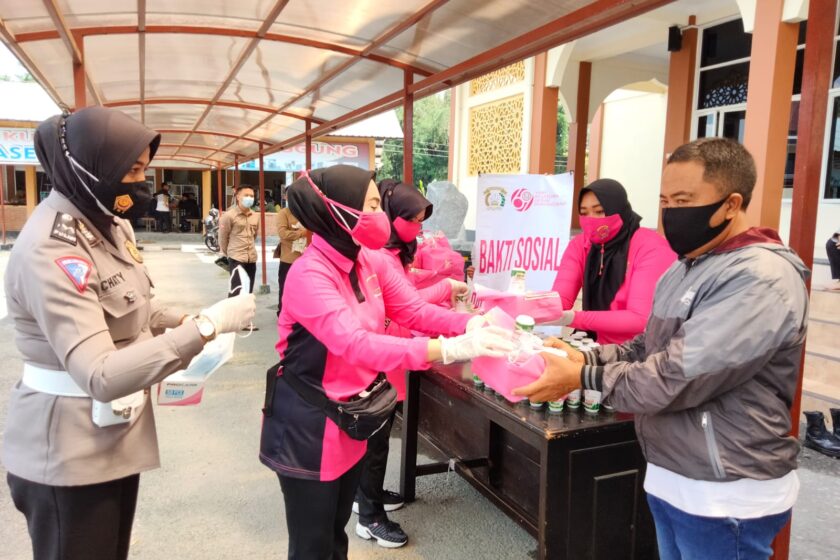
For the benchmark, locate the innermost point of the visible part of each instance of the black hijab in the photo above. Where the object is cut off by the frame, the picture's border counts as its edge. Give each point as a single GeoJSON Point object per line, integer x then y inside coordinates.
{"type": "Point", "coordinates": [344, 184]}
{"type": "Point", "coordinates": [600, 286]}
{"type": "Point", "coordinates": [404, 201]}
{"type": "Point", "coordinates": [106, 142]}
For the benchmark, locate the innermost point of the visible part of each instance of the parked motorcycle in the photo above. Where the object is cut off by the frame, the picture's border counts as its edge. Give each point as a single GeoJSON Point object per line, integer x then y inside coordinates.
{"type": "Point", "coordinates": [211, 230]}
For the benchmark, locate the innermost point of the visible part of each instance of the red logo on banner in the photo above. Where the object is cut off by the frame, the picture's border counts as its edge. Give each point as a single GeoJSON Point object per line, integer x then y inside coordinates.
{"type": "Point", "coordinates": [522, 199]}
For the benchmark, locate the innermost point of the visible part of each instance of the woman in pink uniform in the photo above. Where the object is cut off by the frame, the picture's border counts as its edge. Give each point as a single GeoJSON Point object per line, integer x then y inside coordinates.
{"type": "Point", "coordinates": [616, 262]}
{"type": "Point", "coordinates": [332, 338]}
{"type": "Point", "coordinates": [406, 209]}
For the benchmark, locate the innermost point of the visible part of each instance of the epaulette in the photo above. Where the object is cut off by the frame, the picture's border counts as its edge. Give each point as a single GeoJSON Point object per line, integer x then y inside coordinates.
{"type": "Point", "coordinates": [64, 228]}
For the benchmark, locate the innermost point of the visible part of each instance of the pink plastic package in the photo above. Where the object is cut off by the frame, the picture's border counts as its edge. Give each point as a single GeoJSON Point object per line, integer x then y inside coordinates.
{"type": "Point", "coordinates": [543, 306]}
{"type": "Point", "coordinates": [499, 373]}
{"type": "Point", "coordinates": [434, 261]}
{"type": "Point", "coordinates": [503, 377]}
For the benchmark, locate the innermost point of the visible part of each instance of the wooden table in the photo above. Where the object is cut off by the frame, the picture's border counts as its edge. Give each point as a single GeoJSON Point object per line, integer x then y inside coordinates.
{"type": "Point", "coordinates": [573, 480]}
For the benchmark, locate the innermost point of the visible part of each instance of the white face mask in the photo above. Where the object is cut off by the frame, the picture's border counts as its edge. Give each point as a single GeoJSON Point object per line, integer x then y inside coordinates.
{"type": "Point", "coordinates": [247, 201]}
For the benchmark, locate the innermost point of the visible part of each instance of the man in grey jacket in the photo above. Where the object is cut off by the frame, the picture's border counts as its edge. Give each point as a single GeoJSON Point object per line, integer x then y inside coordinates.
{"type": "Point", "coordinates": [711, 379]}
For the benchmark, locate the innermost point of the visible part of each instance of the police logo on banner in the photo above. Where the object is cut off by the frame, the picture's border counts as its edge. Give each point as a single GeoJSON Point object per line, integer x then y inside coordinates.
{"type": "Point", "coordinates": [77, 270]}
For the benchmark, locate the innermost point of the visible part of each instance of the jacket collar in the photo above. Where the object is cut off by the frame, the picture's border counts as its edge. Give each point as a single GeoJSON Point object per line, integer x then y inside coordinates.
{"type": "Point", "coordinates": [752, 236]}
{"type": "Point", "coordinates": [339, 260]}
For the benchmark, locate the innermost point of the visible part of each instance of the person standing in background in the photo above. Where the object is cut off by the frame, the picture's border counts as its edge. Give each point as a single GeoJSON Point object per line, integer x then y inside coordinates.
{"type": "Point", "coordinates": [162, 217]}
{"type": "Point", "coordinates": [832, 249]}
{"type": "Point", "coordinates": [293, 241]}
{"type": "Point", "coordinates": [238, 234]}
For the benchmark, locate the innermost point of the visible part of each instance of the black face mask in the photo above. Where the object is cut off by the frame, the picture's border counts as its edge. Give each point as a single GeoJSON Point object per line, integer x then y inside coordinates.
{"type": "Point", "coordinates": [688, 229]}
{"type": "Point", "coordinates": [125, 200]}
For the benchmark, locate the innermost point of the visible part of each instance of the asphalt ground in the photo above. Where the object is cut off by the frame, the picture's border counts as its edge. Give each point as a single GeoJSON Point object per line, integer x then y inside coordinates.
{"type": "Point", "coordinates": [213, 499]}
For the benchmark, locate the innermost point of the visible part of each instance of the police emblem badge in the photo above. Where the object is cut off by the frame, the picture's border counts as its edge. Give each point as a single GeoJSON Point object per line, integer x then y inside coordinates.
{"type": "Point", "coordinates": [133, 251]}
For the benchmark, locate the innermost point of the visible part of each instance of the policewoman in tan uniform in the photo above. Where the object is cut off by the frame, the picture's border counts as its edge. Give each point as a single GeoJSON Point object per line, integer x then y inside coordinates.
{"type": "Point", "coordinates": [80, 426]}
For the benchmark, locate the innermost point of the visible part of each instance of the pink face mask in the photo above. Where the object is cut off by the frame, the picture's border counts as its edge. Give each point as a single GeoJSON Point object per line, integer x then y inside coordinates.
{"type": "Point", "coordinates": [601, 230]}
{"type": "Point", "coordinates": [372, 229]}
{"type": "Point", "coordinates": [407, 230]}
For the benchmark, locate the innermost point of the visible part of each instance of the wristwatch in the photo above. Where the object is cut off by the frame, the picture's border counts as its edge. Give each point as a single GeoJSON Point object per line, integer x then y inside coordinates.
{"type": "Point", "coordinates": [206, 328]}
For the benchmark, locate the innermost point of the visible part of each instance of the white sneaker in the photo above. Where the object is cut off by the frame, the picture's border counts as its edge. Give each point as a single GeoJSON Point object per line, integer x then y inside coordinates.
{"type": "Point", "coordinates": [387, 534]}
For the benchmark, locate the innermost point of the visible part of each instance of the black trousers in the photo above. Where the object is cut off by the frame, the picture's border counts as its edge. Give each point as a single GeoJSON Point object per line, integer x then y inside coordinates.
{"type": "Point", "coordinates": [164, 221]}
{"type": "Point", "coordinates": [77, 522]}
{"type": "Point", "coordinates": [282, 272]}
{"type": "Point", "coordinates": [833, 258]}
{"type": "Point", "coordinates": [369, 494]}
{"type": "Point", "coordinates": [250, 270]}
{"type": "Point", "coordinates": [316, 514]}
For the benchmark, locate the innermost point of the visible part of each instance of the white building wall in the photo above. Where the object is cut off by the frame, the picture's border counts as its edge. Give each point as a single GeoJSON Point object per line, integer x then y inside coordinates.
{"type": "Point", "coordinates": [828, 221]}
{"type": "Point", "coordinates": [631, 148]}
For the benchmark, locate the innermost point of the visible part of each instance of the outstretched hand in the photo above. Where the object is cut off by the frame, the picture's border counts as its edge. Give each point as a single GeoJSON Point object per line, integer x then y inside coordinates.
{"type": "Point", "coordinates": [574, 355]}
{"type": "Point", "coordinates": [560, 377]}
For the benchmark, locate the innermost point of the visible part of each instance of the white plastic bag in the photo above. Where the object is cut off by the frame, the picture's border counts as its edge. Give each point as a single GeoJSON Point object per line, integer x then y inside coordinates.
{"type": "Point", "coordinates": [186, 386]}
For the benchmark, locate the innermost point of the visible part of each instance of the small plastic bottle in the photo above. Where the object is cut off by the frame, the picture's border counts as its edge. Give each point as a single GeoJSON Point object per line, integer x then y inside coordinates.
{"type": "Point", "coordinates": [556, 407]}
{"type": "Point", "coordinates": [536, 405]}
{"type": "Point", "coordinates": [573, 399]}
{"type": "Point", "coordinates": [592, 401]}
{"type": "Point", "coordinates": [517, 281]}
{"type": "Point", "coordinates": [477, 381]}
{"type": "Point", "coordinates": [525, 323]}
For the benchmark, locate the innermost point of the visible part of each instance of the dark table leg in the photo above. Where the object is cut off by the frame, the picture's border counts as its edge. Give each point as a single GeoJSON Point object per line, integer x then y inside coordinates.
{"type": "Point", "coordinates": [408, 466]}
{"type": "Point", "coordinates": [550, 522]}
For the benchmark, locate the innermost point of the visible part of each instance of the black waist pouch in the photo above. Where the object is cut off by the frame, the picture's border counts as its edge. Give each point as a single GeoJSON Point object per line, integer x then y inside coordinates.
{"type": "Point", "coordinates": [361, 416]}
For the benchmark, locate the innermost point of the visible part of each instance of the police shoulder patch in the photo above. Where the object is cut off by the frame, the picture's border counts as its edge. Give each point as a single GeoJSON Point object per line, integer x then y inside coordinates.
{"type": "Point", "coordinates": [64, 228]}
{"type": "Point", "coordinates": [77, 270]}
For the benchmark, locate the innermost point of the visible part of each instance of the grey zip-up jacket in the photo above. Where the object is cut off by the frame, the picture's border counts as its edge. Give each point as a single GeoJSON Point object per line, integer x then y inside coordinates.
{"type": "Point", "coordinates": [711, 379]}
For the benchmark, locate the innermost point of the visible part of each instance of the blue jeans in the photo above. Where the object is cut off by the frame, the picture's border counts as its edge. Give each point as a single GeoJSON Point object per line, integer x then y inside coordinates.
{"type": "Point", "coordinates": [682, 536]}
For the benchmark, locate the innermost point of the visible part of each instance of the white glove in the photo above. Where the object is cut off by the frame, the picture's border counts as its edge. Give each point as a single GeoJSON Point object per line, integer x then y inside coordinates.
{"type": "Point", "coordinates": [476, 323]}
{"type": "Point", "coordinates": [493, 342]}
{"type": "Point", "coordinates": [232, 314]}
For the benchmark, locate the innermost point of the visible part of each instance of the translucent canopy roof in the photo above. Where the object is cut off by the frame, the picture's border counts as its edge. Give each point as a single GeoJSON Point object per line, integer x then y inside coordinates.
{"type": "Point", "coordinates": [221, 79]}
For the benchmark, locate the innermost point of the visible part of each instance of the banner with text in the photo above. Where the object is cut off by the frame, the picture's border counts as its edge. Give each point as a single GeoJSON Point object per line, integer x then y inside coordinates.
{"type": "Point", "coordinates": [324, 154]}
{"type": "Point", "coordinates": [17, 146]}
{"type": "Point", "coordinates": [522, 221]}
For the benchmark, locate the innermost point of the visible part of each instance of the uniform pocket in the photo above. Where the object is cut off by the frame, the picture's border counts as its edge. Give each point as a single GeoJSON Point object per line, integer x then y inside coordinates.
{"type": "Point", "coordinates": [711, 444]}
{"type": "Point", "coordinates": [126, 313]}
{"type": "Point", "coordinates": [119, 303]}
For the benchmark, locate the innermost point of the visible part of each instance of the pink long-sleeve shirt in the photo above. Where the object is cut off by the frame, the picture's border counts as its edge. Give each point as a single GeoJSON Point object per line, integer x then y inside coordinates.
{"type": "Point", "coordinates": [439, 294]}
{"type": "Point", "coordinates": [648, 258]}
{"type": "Point", "coordinates": [337, 344]}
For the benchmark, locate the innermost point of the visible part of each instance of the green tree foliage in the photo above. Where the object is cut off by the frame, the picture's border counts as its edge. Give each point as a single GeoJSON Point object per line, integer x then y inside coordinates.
{"type": "Point", "coordinates": [561, 155]}
{"type": "Point", "coordinates": [431, 142]}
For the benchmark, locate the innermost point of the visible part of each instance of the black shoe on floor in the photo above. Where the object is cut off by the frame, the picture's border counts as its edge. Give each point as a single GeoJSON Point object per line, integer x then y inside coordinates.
{"type": "Point", "coordinates": [387, 533]}
{"type": "Point", "coordinates": [835, 420]}
{"type": "Point", "coordinates": [818, 437]}
{"type": "Point", "coordinates": [391, 501]}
